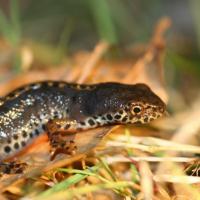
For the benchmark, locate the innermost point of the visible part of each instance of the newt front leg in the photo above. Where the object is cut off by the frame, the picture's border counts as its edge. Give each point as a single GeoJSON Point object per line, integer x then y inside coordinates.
{"type": "Point", "coordinates": [61, 133]}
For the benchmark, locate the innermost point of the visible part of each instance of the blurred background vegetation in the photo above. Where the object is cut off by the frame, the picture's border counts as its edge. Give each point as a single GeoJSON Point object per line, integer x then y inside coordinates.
{"type": "Point", "coordinates": [54, 30]}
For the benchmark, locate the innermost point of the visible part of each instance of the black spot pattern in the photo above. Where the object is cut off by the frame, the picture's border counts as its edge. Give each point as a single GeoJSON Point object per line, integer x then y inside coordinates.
{"type": "Point", "coordinates": [16, 145]}
{"type": "Point", "coordinates": [43, 127]}
{"type": "Point", "coordinates": [124, 119]}
{"type": "Point", "coordinates": [23, 143]}
{"type": "Point", "coordinates": [117, 116]}
{"type": "Point", "coordinates": [82, 123]}
{"type": "Point", "coordinates": [121, 112]}
{"type": "Point", "coordinates": [58, 126]}
{"type": "Point", "coordinates": [15, 137]}
{"type": "Point", "coordinates": [36, 123]}
{"type": "Point", "coordinates": [146, 119]}
{"type": "Point", "coordinates": [130, 117]}
{"type": "Point", "coordinates": [126, 109]}
{"type": "Point", "coordinates": [24, 134]}
{"type": "Point", "coordinates": [37, 132]}
{"type": "Point", "coordinates": [9, 141]}
{"type": "Point", "coordinates": [151, 119]}
{"type": "Point", "coordinates": [7, 170]}
{"type": "Point", "coordinates": [109, 117]}
{"type": "Point", "coordinates": [67, 126]}
{"type": "Point", "coordinates": [154, 114]}
{"type": "Point", "coordinates": [98, 123]}
{"type": "Point", "coordinates": [55, 115]}
{"type": "Point", "coordinates": [91, 122]}
{"type": "Point", "coordinates": [7, 149]}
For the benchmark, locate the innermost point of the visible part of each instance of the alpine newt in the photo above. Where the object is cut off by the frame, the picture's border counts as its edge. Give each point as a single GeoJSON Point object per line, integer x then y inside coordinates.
{"type": "Point", "coordinates": [56, 106]}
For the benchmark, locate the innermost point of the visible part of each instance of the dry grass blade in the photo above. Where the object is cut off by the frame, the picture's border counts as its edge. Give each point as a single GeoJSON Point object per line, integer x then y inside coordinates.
{"type": "Point", "coordinates": [96, 55]}
{"type": "Point", "coordinates": [176, 179]}
{"type": "Point", "coordinates": [146, 180]}
{"type": "Point", "coordinates": [151, 144]}
{"type": "Point", "coordinates": [119, 158]}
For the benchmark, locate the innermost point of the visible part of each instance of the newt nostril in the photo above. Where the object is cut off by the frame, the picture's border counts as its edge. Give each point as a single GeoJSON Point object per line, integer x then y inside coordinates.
{"type": "Point", "coordinates": [161, 109]}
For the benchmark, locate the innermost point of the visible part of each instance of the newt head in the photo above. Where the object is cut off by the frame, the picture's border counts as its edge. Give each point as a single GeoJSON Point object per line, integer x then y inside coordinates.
{"type": "Point", "coordinates": [143, 106]}
{"type": "Point", "coordinates": [116, 103]}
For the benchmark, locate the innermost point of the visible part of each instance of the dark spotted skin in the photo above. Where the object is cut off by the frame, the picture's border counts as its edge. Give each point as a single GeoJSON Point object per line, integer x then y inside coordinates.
{"type": "Point", "coordinates": [56, 106]}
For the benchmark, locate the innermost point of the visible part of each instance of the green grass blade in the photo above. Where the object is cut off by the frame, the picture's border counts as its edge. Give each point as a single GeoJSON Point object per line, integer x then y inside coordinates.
{"type": "Point", "coordinates": [69, 194]}
{"type": "Point", "coordinates": [5, 28]}
{"type": "Point", "coordinates": [105, 25]}
{"type": "Point", "coordinates": [15, 21]}
{"type": "Point", "coordinates": [107, 168]}
{"type": "Point", "coordinates": [68, 182]}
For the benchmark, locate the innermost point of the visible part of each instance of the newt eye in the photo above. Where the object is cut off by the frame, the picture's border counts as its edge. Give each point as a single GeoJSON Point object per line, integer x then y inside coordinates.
{"type": "Point", "coordinates": [136, 110]}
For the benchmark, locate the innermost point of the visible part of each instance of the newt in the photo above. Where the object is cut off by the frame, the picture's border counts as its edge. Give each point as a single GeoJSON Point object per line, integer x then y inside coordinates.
{"type": "Point", "coordinates": [59, 108]}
